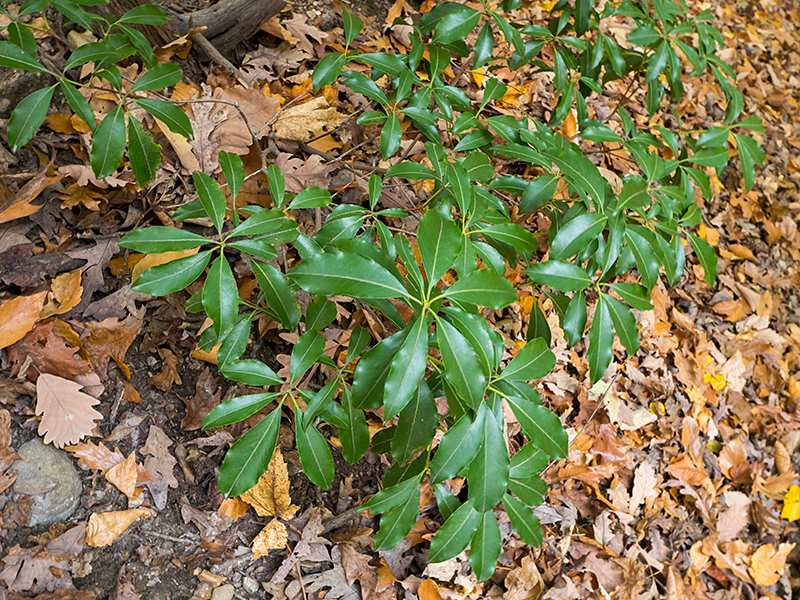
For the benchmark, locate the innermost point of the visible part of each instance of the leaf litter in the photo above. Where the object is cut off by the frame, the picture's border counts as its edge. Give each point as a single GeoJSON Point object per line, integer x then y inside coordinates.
{"type": "Point", "coordinates": [682, 485]}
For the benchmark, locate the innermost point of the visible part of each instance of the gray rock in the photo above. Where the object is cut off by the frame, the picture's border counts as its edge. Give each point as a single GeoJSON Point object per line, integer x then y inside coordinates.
{"type": "Point", "coordinates": [223, 592]}
{"type": "Point", "coordinates": [47, 475]}
{"type": "Point", "coordinates": [250, 585]}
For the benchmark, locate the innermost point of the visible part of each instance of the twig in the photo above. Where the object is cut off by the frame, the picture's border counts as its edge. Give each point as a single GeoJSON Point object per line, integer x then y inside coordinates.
{"type": "Point", "coordinates": [339, 520]}
{"type": "Point", "coordinates": [299, 574]}
{"type": "Point", "coordinates": [217, 58]}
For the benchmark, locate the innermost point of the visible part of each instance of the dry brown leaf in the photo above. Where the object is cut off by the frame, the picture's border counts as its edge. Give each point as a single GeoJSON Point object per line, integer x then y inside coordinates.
{"type": "Point", "coordinates": [767, 564]}
{"type": "Point", "coordinates": [67, 413]}
{"type": "Point", "coordinates": [16, 206]}
{"type": "Point", "coordinates": [206, 397]}
{"type": "Point", "coordinates": [182, 147]}
{"type": "Point", "coordinates": [67, 290]}
{"type": "Point", "coordinates": [169, 371]}
{"type": "Point", "coordinates": [232, 134]}
{"type": "Point", "coordinates": [44, 350]}
{"type": "Point", "coordinates": [96, 456]}
{"type": "Point", "coordinates": [84, 175]}
{"type": "Point", "coordinates": [124, 476]}
{"type": "Point", "coordinates": [303, 122]}
{"type": "Point", "coordinates": [270, 496]}
{"type": "Point", "coordinates": [733, 462]}
{"type": "Point", "coordinates": [110, 339]}
{"type": "Point", "coordinates": [429, 590]}
{"type": "Point", "coordinates": [103, 528]}
{"type": "Point", "coordinates": [74, 194]}
{"type": "Point", "coordinates": [18, 316]}
{"type": "Point", "coordinates": [303, 32]}
{"type": "Point", "coordinates": [273, 536]}
{"type": "Point", "coordinates": [300, 174]}
{"type": "Point", "coordinates": [27, 570]}
{"type": "Point", "coordinates": [734, 518]}
{"type": "Point", "coordinates": [160, 466]}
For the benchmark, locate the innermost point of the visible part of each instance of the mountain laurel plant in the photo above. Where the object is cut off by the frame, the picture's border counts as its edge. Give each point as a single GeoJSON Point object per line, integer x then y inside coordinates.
{"type": "Point", "coordinates": [447, 348]}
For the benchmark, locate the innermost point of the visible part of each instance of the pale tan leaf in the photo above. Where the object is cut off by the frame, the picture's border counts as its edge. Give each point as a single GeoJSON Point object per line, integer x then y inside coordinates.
{"type": "Point", "coordinates": [67, 413]}
{"type": "Point", "coordinates": [303, 122]}
{"type": "Point", "coordinates": [123, 475]}
{"type": "Point", "coordinates": [104, 528]}
{"type": "Point", "coordinates": [644, 485]}
{"type": "Point", "coordinates": [67, 290]}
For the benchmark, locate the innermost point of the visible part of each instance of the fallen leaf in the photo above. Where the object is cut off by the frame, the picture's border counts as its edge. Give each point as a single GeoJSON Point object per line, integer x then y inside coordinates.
{"type": "Point", "coordinates": [305, 121]}
{"type": "Point", "coordinates": [429, 590]}
{"type": "Point", "coordinates": [169, 371]}
{"type": "Point", "coordinates": [270, 496]}
{"type": "Point", "coordinates": [767, 564]}
{"type": "Point", "coordinates": [206, 397]}
{"type": "Point", "coordinates": [124, 476]}
{"type": "Point", "coordinates": [791, 504]}
{"type": "Point", "coordinates": [110, 339]}
{"type": "Point", "coordinates": [160, 466]}
{"type": "Point", "coordinates": [97, 258]}
{"type": "Point", "coordinates": [233, 508]}
{"type": "Point", "coordinates": [18, 317]}
{"type": "Point", "coordinates": [303, 32]}
{"type": "Point", "coordinates": [272, 537]}
{"type": "Point", "coordinates": [67, 413]}
{"type": "Point", "coordinates": [103, 528]}
{"type": "Point", "coordinates": [67, 290]}
{"type": "Point", "coordinates": [16, 206]}
{"type": "Point", "coordinates": [28, 570]}
{"type": "Point", "coordinates": [300, 174]}
{"type": "Point", "coordinates": [153, 260]}
{"type": "Point", "coordinates": [43, 350]}
{"type": "Point", "coordinates": [733, 462]}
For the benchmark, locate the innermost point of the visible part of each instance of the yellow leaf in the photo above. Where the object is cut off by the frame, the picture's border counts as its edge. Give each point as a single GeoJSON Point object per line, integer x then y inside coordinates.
{"type": "Point", "coordinates": [270, 496]}
{"type": "Point", "coordinates": [271, 537]}
{"type": "Point", "coordinates": [767, 564]}
{"type": "Point", "coordinates": [67, 290]}
{"type": "Point", "coordinates": [104, 528]}
{"type": "Point", "coordinates": [18, 316]}
{"type": "Point", "coordinates": [791, 504]}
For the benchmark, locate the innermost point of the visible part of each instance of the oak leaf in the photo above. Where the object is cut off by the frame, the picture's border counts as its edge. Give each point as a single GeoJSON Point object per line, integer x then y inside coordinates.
{"type": "Point", "coordinates": [169, 371]}
{"type": "Point", "coordinates": [273, 536]}
{"type": "Point", "coordinates": [18, 316]}
{"type": "Point", "coordinates": [67, 413]}
{"type": "Point", "coordinates": [103, 528]}
{"type": "Point", "coordinates": [270, 496]}
{"type": "Point", "coordinates": [45, 350]}
{"type": "Point", "coordinates": [304, 32]}
{"type": "Point", "coordinates": [300, 174]}
{"type": "Point", "coordinates": [767, 564]}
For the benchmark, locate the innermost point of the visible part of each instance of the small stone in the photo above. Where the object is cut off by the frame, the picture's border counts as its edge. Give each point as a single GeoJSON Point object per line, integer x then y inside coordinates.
{"type": "Point", "coordinates": [47, 475]}
{"type": "Point", "coordinates": [204, 590]}
{"type": "Point", "coordinates": [250, 585]}
{"type": "Point", "coordinates": [223, 592]}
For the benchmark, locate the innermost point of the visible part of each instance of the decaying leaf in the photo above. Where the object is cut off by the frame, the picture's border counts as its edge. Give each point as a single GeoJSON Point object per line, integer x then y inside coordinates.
{"type": "Point", "coordinates": [300, 174]}
{"type": "Point", "coordinates": [206, 397]}
{"type": "Point", "coordinates": [159, 465]}
{"type": "Point", "coordinates": [110, 339]}
{"type": "Point", "coordinates": [16, 206]}
{"type": "Point", "coordinates": [305, 121]}
{"type": "Point", "coordinates": [103, 528]}
{"type": "Point", "coordinates": [271, 537]}
{"type": "Point", "coordinates": [124, 476]}
{"type": "Point", "coordinates": [270, 496]}
{"type": "Point", "coordinates": [233, 508]}
{"type": "Point", "coordinates": [67, 413]}
{"type": "Point", "coordinates": [67, 290]}
{"type": "Point", "coordinates": [45, 350]}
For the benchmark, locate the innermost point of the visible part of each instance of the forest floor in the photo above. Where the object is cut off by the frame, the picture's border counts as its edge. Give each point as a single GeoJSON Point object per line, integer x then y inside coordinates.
{"type": "Point", "coordinates": [681, 486]}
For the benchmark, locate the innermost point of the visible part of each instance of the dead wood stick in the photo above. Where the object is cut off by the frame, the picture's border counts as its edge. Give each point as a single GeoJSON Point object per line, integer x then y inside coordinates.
{"type": "Point", "coordinates": [214, 55]}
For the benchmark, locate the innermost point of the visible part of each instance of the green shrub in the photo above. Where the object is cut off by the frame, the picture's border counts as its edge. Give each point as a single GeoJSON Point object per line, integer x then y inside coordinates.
{"type": "Point", "coordinates": [447, 348]}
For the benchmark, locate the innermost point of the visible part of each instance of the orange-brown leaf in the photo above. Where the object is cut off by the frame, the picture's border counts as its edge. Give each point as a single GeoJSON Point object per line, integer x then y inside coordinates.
{"type": "Point", "coordinates": [18, 316]}
{"type": "Point", "coordinates": [104, 528]}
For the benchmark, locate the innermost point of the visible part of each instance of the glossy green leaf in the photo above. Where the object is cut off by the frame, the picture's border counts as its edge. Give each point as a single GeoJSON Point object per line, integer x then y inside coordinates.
{"type": "Point", "coordinates": [220, 295]}
{"type": "Point", "coordinates": [211, 197]}
{"type": "Point", "coordinates": [488, 471]}
{"type": "Point", "coordinates": [266, 222]}
{"type": "Point", "coordinates": [624, 323]}
{"type": "Point", "coordinates": [484, 47]}
{"type": "Point", "coordinates": [576, 234]}
{"type": "Point", "coordinates": [447, 502]}
{"type": "Point", "coordinates": [525, 523]}
{"type": "Point", "coordinates": [108, 145]}
{"type": "Point", "coordinates": [486, 545]}
{"type": "Point", "coordinates": [462, 369]}
{"type": "Point", "coordinates": [359, 338]}
{"type": "Point", "coordinates": [311, 197]}
{"type": "Point", "coordinates": [233, 170]}
{"type": "Point", "coordinates": [280, 296]}
{"type": "Point", "coordinates": [306, 351]}
{"type": "Point", "coordinates": [407, 370]}
{"type": "Point", "coordinates": [645, 258]}
{"type": "Point", "coordinates": [458, 178]}
{"type": "Point", "coordinates": [531, 489]}
{"type": "Point", "coordinates": [315, 455]}
{"type": "Point", "coordinates": [398, 522]}
{"type": "Point", "coordinates": [237, 409]}
{"type": "Point", "coordinates": [580, 170]}
{"type": "Point", "coordinates": [456, 25]}
{"type": "Point", "coordinates": [707, 256]}
{"type": "Point", "coordinates": [338, 273]}
{"type": "Point", "coordinates": [172, 116]}
{"type": "Point", "coordinates": [172, 276]}
{"type": "Point", "coordinates": [355, 437]}
{"type": "Point", "coordinates": [13, 57]}
{"type": "Point", "coordinates": [250, 372]}
{"type": "Point", "coordinates": [391, 134]}
{"type": "Point", "coordinates": [484, 288]}
{"type": "Point", "coordinates": [453, 537]}
{"type": "Point", "coordinates": [479, 335]}
{"type": "Point", "coordinates": [159, 77]}
{"type": "Point", "coordinates": [372, 370]}
{"type": "Point", "coordinates": [78, 104]}
{"type": "Point", "coordinates": [457, 449]}
{"type": "Point", "coordinates": [416, 424]}
{"type": "Point", "coordinates": [634, 193]}
{"type": "Point", "coordinates": [352, 26]}
{"type": "Point", "coordinates": [144, 153]}
{"type": "Point", "coordinates": [157, 239]}
{"type": "Point", "coordinates": [391, 497]}
{"type": "Point", "coordinates": [512, 234]}
{"type": "Point", "coordinates": [28, 116]}
{"type": "Point", "coordinates": [559, 275]}
{"type": "Point", "coordinates": [634, 294]}
{"type": "Point", "coordinates": [750, 153]}
{"type": "Point", "coordinates": [320, 313]}
{"type": "Point", "coordinates": [438, 241]}
{"type": "Point", "coordinates": [533, 361]}
{"type": "Point", "coordinates": [540, 424]}
{"type": "Point", "coordinates": [247, 460]}
{"type": "Point", "coordinates": [537, 193]}
{"type": "Point", "coordinates": [235, 341]}
{"type": "Point", "coordinates": [411, 170]}
{"type": "Point", "coordinates": [327, 70]}
{"type": "Point", "coordinates": [574, 321]}
{"type": "Point", "coordinates": [601, 340]}
{"type": "Point", "coordinates": [277, 185]}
